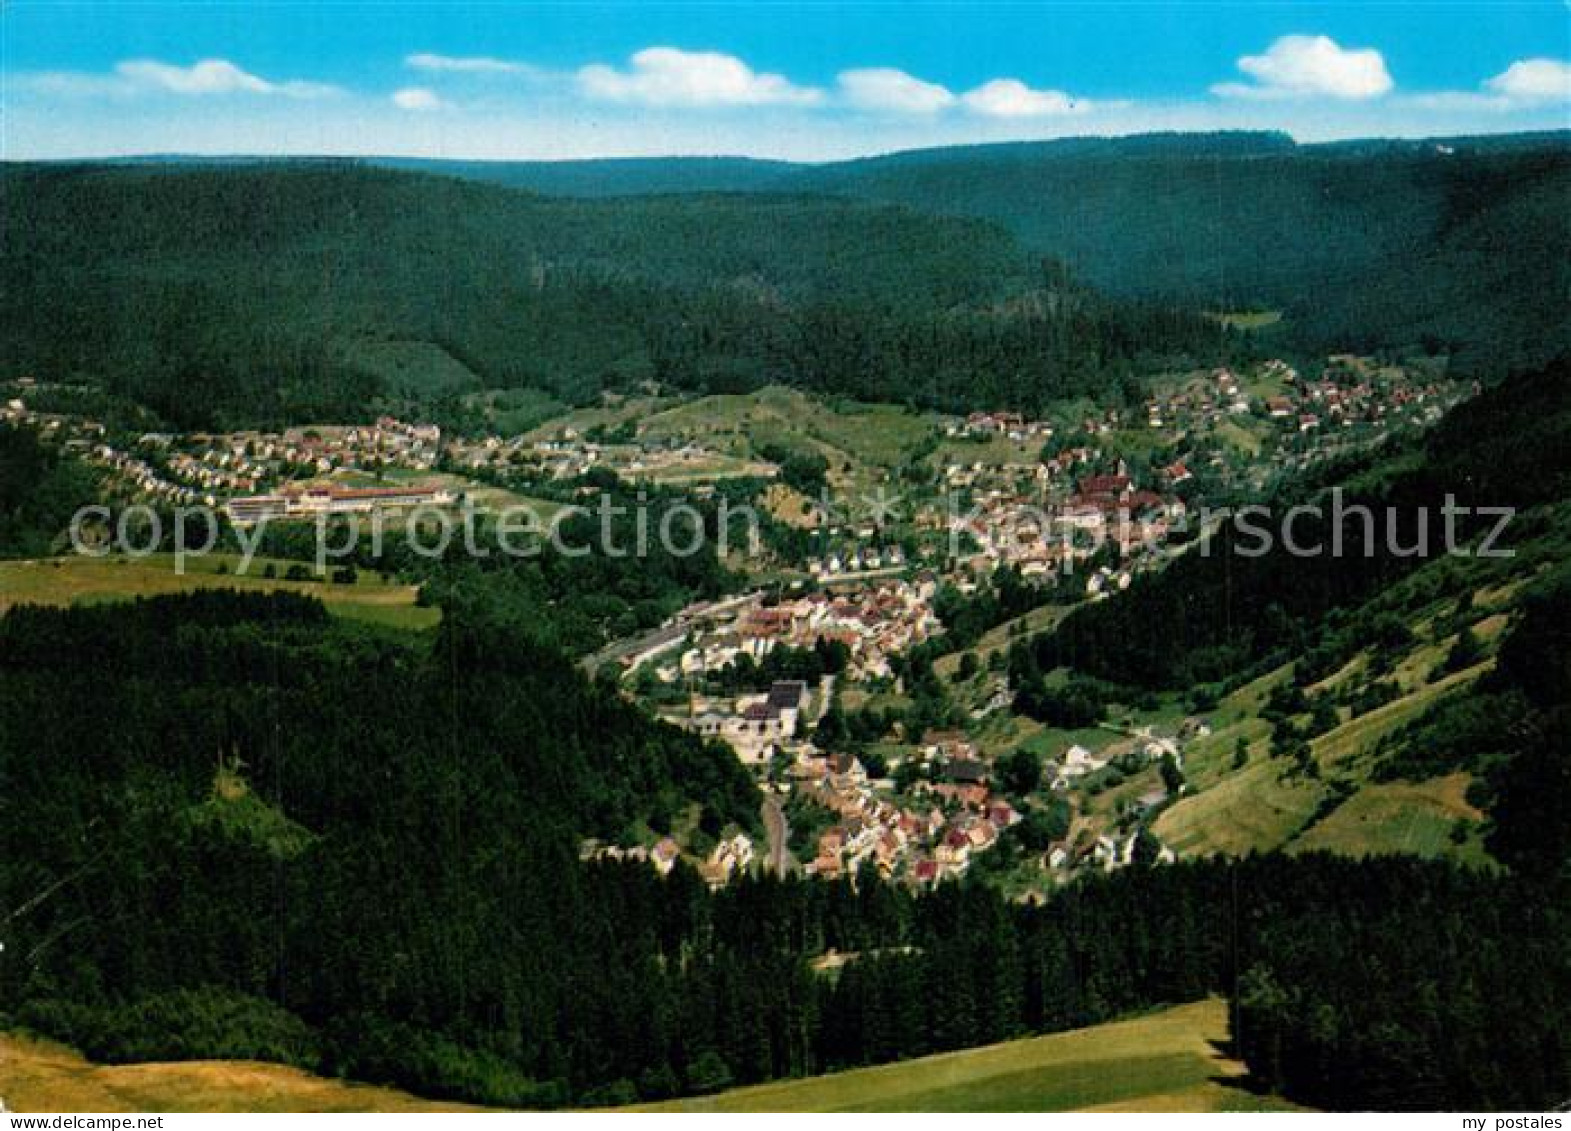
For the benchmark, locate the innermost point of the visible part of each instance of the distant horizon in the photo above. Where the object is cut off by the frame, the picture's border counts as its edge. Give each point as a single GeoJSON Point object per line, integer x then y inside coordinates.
{"type": "Point", "coordinates": [1548, 134]}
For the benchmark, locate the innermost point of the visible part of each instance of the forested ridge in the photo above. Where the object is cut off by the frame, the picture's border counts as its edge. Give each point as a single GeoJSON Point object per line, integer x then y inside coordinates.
{"type": "Point", "coordinates": [234, 828]}
{"type": "Point", "coordinates": [248, 294]}
{"type": "Point", "coordinates": [983, 276]}
{"type": "Point", "coordinates": [1453, 243]}
{"type": "Point", "coordinates": [1458, 242]}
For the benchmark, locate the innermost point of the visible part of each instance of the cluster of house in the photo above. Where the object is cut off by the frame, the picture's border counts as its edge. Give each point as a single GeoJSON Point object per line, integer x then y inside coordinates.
{"type": "Point", "coordinates": [731, 856]}
{"type": "Point", "coordinates": [991, 482]}
{"type": "Point", "coordinates": [204, 471]}
{"type": "Point", "coordinates": [1012, 425]}
{"type": "Point", "coordinates": [15, 411]}
{"type": "Point", "coordinates": [1099, 851]}
{"type": "Point", "coordinates": [1103, 501]}
{"type": "Point", "coordinates": [960, 475]}
{"type": "Point", "coordinates": [931, 836]}
{"type": "Point", "coordinates": [387, 443]}
{"type": "Point", "coordinates": [662, 856]}
{"type": "Point", "coordinates": [216, 471]}
{"type": "Point", "coordinates": [1042, 537]}
{"type": "Point", "coordinates": [873, 620]}
{"type": "Point", "coordinates": [73, 433]}
{"type": "Point", "coordinates": [856, 559]}
{"type": "Point", "coordinates": [1348, 391]}
{"type": "Point", "coordinates": [1351, 391]}
{"type": "Point", "coordinates": [204, 468]}
{"type": "Point", "coordinates": [320, 449]}
{"type": "Point", "coordinates": [1094, 848]}
{"type": "Point", "coordinates": [1042, 517]}
{"type": "Point", "coordinates": [548, 459]}
{"type": "Point", "coordinates": [1204, 404]}
{"type": "Point", "coordinates": [147, 481]}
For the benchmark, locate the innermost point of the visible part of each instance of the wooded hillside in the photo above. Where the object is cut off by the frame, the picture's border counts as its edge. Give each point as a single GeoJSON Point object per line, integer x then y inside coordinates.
{"type": "Point", "coordinates": [248, 294]}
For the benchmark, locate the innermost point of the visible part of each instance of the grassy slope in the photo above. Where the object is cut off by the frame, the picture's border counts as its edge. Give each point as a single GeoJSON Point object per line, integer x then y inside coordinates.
{"type": "Point", "coordinates": [861, 444]}
{"type": "Point", "coordinates": [37, 1076]}
{"type": "Point", "coordinates": [68, 581]}
{"type": "Point", "coordinates": [869, 439]}
{"type": "Point", "coordinates": [1260, 806]}
{"type": "Point", "coordinates": [1166, 1061]}
{"type": "Point", "coordinates": [1400, 816]}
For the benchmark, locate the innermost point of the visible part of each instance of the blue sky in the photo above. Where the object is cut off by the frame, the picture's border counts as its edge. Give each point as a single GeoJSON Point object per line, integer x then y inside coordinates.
{"type": "Point", "coordinates": [800, 80]}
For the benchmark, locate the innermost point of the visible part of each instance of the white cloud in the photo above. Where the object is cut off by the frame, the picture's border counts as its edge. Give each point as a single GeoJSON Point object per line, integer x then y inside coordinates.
{"type": "Point", "coordinates": [1308, 66]}
{"type": "Point", "coordinates": [1533, 80]}
{"type": "Point", "coordinates": [1525, 86]}
{"type": "Point", "coordinates": [465, 64]}
{"type": "Point", "coordinates": [1011, 98]}
{"type": "Point", "coordinates": [668, 76]}
{"type": "Point", "coordinates": [210, 76]}
{"type": "Point", "coordinates": [417, 98]}
{"type": "Point", "coordinates": [142, 76]}
{"type": "Point", "coordinates": [885, 88]}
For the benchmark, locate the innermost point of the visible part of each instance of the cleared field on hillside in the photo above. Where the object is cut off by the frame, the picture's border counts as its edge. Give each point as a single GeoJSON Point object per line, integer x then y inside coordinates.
{"type": "Point", "coordinates": [1263, 806]}
{"type": "Point", "coordinates": [613, 413]}
{"type": "Point", "coordinates": [859, 442]}
{"type": "Point", "coordinates": [1246, 319]}
{"type": "Point", "coordinates": [1167, 1061]}
{"type": "Point", "coordinates": [38, 1076]}
{"type": "Point", "coordinates": [81, 580]}
{"type": "Point", "coordinates": [1163, 1062]}
{"type": "Point", "coordinates": [1254, 809]}
{"type": "Point", "coordinates": [1399, 817]}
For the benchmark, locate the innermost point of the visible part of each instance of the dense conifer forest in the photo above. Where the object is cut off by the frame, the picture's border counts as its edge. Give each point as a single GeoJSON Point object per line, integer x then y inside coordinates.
{"type": "Point", "coordinates": [248, 295]}
{"type": "Point", "coordinates": [1452, 242]}
{"type": "Point", "coordinates": [234, 828]}
{"type": "Point", "coordinates": [39, 491]}
{"type": "Point", "coordinates": [994, 275]}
